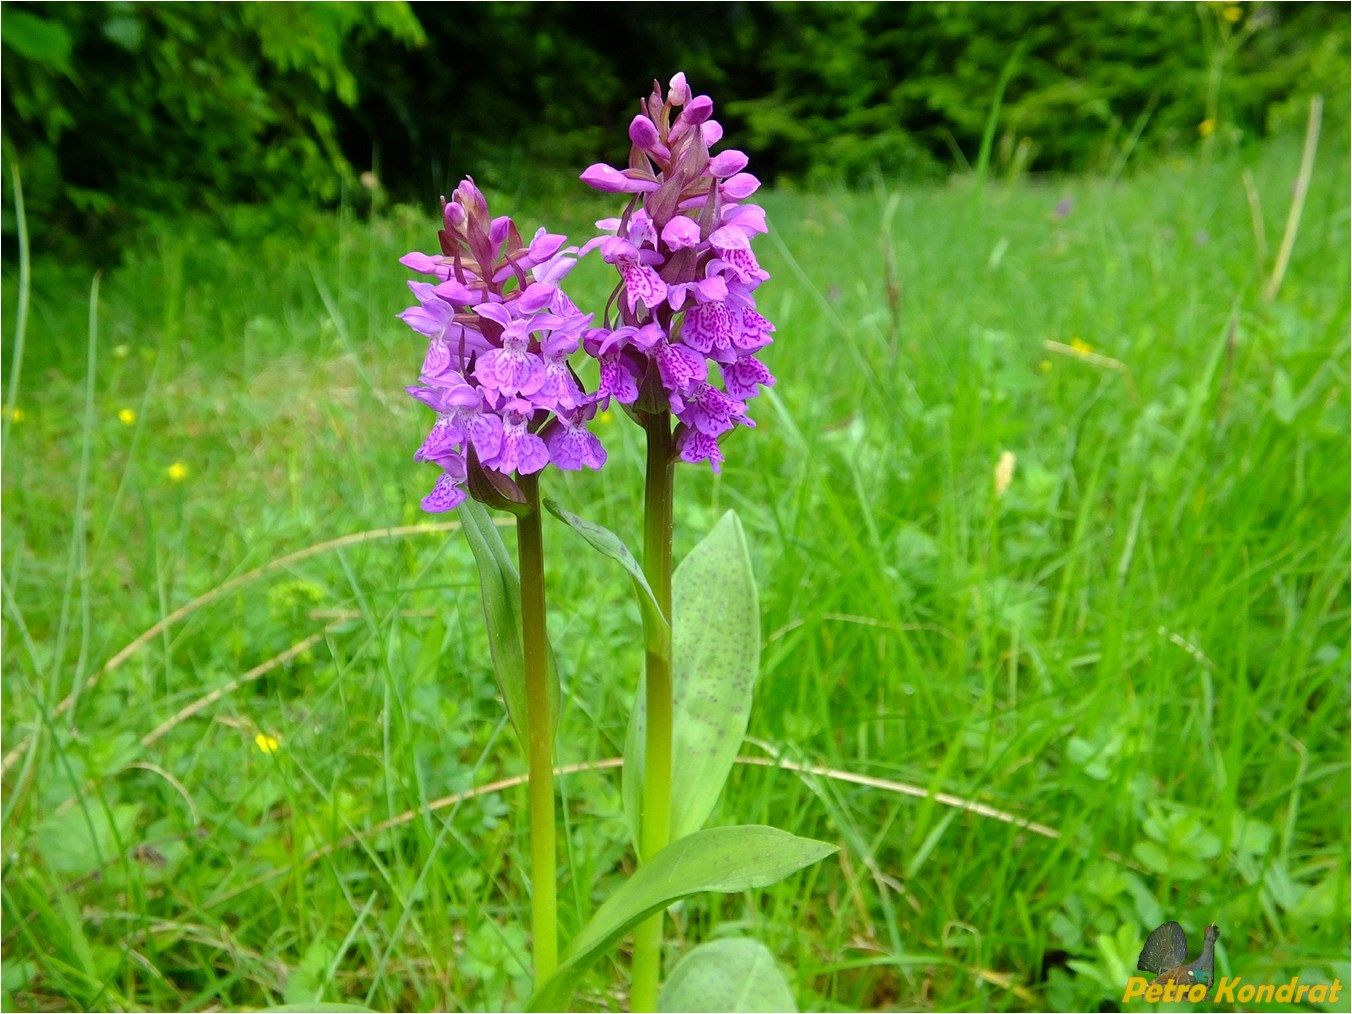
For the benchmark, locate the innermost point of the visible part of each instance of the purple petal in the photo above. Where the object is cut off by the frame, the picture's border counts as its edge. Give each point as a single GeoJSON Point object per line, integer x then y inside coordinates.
{"type": "Point", "coordinates": [438, 362]}
{"type": "Point", "coordinates": [611, 181]}
{"type": "Point", "coordinates": [495, 312]}
{"type": "Point", "coordinates": [573, 447]}
{"type": "Point", "coordinates": [643, 284]}
{"type": "Point", "coordinates": [679, 93]}
{"type": "Point", "coordinates": [469, 196]}
{"type": "Point", "coordinates": [544, 245]}
{"type": "Point", "coordinates": [617, 381]}
{"type": "Point", "coordinates": [442, 442]}
{"type": "Point", "coordinates": [445, 496]}
{"type": "Point", "coordinates": [457, 293]}
{"type": "Point", "coordinates": [521, 452]}
{"type": "Point", "coordinates": [701, 107]}
{"type": "Point", "coordinates": [429, 324]}
{"type": "Point", "coordinates": [710, 411]}
{"type": "Point", "coordinates": [485, 433]}
{"type": "Point", "coordinates": [709, 328]}
{"type": "Point", "coordinates": [680, 232]}
{"type": "Point", "coordinates": [740, 186]}
{"type": "Point", "coordinates": [743, 378]}
{"type": "Point", "coordinates": [536, 296]}
{"type": "Point", "coordinates": [697, 447]}
{"type": "Point", "coordinates": [680, 367]}
{"type": "Point", "coordinates": [727, 163]}
{"type": "Point", "coordinates": [729, 237]}
{"type": "Point", "coordinates": [643, 132]}
{"type": "Point", "coordinates": [753, 331]}
{"type": "Point", "coordinates": [749, 217]}
{"type": "Point", "coordinates": [510, 371]}
{"type": "Point", "coordinates": [712, 289]}
{"type": "Point", "coordinates": [424, 264]}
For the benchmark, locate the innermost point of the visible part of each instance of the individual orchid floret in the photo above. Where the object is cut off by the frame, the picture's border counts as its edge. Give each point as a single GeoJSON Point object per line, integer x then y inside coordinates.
{"type": "Point", "coordinates": [499, 332]}
{"type": "Point", "coordinates": [687, 275]}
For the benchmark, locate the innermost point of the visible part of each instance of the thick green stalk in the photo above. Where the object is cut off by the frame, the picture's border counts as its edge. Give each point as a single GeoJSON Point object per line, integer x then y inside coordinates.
{"type": "Point", "coordinates": [539, 736]}
{"type": "Point", "coordinates": [655, 829]}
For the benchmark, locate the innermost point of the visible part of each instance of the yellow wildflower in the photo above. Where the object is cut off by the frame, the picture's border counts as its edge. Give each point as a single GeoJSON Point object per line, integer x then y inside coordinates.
{"type": "Point", "coordinates": [126, 416]}
{"type": "Point", "coordinates": [16, 414]}
{"type": "Point", "coordinates": [121, 351]}
{"type": "Point", "coordinates": [1004, 472]}
{"type": "Point", "coordinates": [177, 472]}
{"type": "Point", "coordinates": [1207, 127]}
{"type": "Point", "coordinates": [268, 744]}
{"type": "Point", "coordinates": [1081, 346]}
{"type": "Point", "coordinates": [1232, 14]}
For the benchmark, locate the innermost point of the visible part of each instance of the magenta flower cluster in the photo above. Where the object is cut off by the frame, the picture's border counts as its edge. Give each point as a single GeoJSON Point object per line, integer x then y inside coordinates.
{"type": "Point", "coordinates": [499, 333]}
{"type": "Point", "coordinates": [688, 276]}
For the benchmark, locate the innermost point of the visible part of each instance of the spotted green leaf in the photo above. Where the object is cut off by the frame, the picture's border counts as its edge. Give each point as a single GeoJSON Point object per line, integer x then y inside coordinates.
{"type": "Point", "coordinates": [715, 646]}
{"type": "Point", "coordinates": [733, 975]}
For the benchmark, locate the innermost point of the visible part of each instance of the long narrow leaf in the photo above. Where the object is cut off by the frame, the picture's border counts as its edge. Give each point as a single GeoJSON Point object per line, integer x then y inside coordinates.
{"type": "Point", "coordinates": [725, 860]}
{"type": "Point", "coordinates": [656, 631]}
{"type": "Point", "coordinates": [500, 585]}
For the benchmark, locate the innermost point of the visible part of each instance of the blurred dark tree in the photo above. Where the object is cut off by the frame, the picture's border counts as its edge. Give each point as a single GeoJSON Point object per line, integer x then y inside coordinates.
{"type": "Point", "coordinates": [115, 112]}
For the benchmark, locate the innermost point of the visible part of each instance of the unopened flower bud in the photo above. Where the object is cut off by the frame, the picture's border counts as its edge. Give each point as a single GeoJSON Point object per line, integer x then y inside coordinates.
{"type": "Point", "coordinates": [611, 181]}
{"type": "Point", "coordinates": [680, 232]}
{"type": "Point", "coordinates": [469, 195]}
{"type": "Point", "coordinates": [679, 93]}
{"type": "Point", "coordinates": [701, 107]}
{"type": "Point", "coordinates": [740, 186]}
{"type": "Point", "coordinates": [727, 163]}
{"type": "Point", "coordinates": [643, 132]}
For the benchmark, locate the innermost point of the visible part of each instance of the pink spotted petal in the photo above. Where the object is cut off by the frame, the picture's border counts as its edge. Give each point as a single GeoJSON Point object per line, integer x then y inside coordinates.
{"type": "Point", "coordinates": [642, 285]}
{"type": "Point", "coordinates": [445, 496]}
{"type": "Point", "coordinates": [697, 447]}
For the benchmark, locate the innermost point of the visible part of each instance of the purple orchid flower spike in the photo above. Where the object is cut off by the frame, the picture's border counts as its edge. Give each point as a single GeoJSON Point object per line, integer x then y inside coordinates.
{"type": "Point", "coordinates": [687, 276]}
{"type": "Point", "coordinates": [499, 333]}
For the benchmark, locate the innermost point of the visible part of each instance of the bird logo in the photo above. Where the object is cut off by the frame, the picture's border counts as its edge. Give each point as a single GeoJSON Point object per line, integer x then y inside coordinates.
{"type": "Point", "coordinates": [1165, 954]}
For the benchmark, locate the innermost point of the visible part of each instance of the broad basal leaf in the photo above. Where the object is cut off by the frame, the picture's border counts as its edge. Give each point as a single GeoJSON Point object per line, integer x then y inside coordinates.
{"type": "Point", "coordinates": [734, 975]}
{"type": "Point", "coordinates": [721, 859]}
{"type": "Point", "coordinates": [715, 647]}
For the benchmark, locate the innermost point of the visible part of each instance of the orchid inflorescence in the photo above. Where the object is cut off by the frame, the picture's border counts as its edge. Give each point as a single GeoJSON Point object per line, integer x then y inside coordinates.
{"type": "Point", "coordinates": [500, 328]}
{"type": "Point", "coordinates": [500, 331]}
{"type": "Point", "coordinates": [686, 297]}
{"type": "Point", "coordinates": [503, 340]}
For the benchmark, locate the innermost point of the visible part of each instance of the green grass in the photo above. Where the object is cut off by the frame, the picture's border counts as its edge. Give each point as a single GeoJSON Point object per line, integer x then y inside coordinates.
{"type": "Point", "coordinates": [1143, 643]}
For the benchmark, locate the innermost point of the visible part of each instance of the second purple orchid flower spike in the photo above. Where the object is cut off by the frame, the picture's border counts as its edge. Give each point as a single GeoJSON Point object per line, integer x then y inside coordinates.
{"type": "Point", "coordinates": [685, 301]}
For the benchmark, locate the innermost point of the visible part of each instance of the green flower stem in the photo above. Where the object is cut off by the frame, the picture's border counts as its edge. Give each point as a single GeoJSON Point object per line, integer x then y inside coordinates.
{"type": "Point", "coordinates": [539, 736]}
{"type": "Point", "coordinates": [655, 830]}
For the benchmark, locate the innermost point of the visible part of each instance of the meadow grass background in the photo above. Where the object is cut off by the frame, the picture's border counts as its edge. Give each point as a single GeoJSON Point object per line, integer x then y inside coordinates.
{"type": "Point", "coordinates": [1142, 644]}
